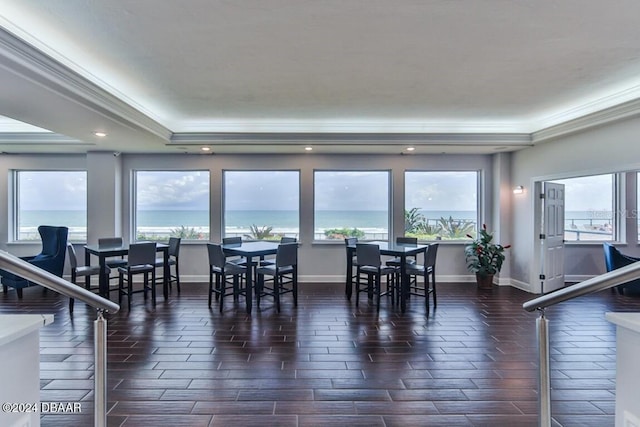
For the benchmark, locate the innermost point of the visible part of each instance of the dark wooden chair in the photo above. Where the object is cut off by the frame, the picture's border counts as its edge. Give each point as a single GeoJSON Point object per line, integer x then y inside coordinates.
{"type": "Point", "coordinates": [284, 275]}
{"type": "Point", "coordinates": [141, 260]}
{"type": "Point", "coordinates": [222, 269]}
{"type": "Point", "coordinates": [370, 265]}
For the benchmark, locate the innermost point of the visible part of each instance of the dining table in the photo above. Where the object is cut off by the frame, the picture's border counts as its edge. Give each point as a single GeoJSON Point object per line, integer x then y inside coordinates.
{"type": "Point", "coordinates": [399, 250]}
{"type": "Point", "coordinates": [104, 252]}
{"type": "Point", "coordinates": [252, 251]}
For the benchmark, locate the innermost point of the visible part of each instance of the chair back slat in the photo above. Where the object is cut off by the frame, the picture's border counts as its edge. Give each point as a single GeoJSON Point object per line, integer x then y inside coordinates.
{"type": "Point", "coordinates": [430, 257]}
{"type": "Point", "coordinates": [216, 255]}
{"type": "Point", "coordinates": [350, 241]}
{"type": "Point", "coordinates": [110, 242]}
{"type": "Point", "coordinates": [174, 246]}
{"type": "Point", "coordinates": [231, 240]}
{"type": "Point", "coordinates": [407, 240]}
{"type": "Point", "coordinates": [286, 239]}
{"type": "Point", "coordinates": [368, 254]}
{"type": "Point", "coordinates": [287, 255]}
{"type": "Point", "coordinates": [142, 253]}
{"type": "Point", "coordinates": [73, 260]}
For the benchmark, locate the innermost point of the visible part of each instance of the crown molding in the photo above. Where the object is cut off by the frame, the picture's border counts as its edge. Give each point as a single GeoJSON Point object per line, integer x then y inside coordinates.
{"type": "Point", "coordinates": [38, 138]}
{"type": "Point", "coordinates": [624, 110]}
{"type": "Point", "coordinates": [363, 126]}
{"type": "Point", "coordinates": [26, 61]}
{"type": "Point", "coordinates": [294, 138]}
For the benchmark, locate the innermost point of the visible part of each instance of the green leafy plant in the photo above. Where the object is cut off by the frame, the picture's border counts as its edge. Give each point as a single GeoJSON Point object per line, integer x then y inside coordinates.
{"type": "Point", "coordinates": [188, 233]}
{"type": "Point", "coordinates": [150, 237]}
{"type": "Point", "coordinates": [260, 233]}
{"type": "Point", "coordinates": [483, 256]}
{"type": "Point", "coordinates": [455, 228]}
{"type": "Point", "coordinates": [413, 220]}
{"type": "Point", "coordinates": [342, 233]}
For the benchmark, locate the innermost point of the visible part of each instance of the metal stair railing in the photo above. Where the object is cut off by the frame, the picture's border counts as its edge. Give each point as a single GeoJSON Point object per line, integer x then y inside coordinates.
{"type": "Point", "coordinates": [37, 275]}
{"type": "Point", "coordinates": [604, 281]}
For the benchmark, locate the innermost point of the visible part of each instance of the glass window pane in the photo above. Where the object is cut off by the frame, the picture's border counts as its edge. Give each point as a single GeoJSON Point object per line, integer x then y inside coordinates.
{"type": "Point", "coordinates": [261, 205]}
{"type": "Point", "coordinates": [172, 203]}
{"type": "Point", "coordinates": [53, 198]}
{"type": "Point", "coordinates": [441, 205]}
{"type": "Point", "coordinates": [588, 208]}
{"type": "Point", "coordinates": [351, 204]}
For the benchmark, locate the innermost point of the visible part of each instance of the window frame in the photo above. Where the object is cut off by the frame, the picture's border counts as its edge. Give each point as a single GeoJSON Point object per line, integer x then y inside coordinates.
{"type": "Point", "coordinates": [617, 198]}
{"type": "Point", "coordinates": [223, 202]}
{"type": "Point", "coordinates": [14, 195]}
{"type": "Point", "coordinates": [389, 204]}
{"type": "Point", "coordinates": [133, 214]}
{"type": "Point", "coordinates": [479, 200]}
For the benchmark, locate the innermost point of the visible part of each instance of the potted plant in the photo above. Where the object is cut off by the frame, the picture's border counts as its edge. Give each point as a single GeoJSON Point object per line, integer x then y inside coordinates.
{"type": "Point", "coordinates": [484, 257]}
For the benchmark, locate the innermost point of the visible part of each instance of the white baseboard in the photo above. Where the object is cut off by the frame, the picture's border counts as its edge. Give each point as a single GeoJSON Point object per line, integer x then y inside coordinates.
{"type": "Point", "coordinates": [467, 278]}
{"type": "Point", "coordinates": [575, 278]}
{"type": "Point", "coordinates": [523, 286]}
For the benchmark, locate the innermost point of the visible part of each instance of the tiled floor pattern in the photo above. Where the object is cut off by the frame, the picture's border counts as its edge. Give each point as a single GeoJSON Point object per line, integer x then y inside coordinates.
{"type": "Point", "coordinates": [326, 363]}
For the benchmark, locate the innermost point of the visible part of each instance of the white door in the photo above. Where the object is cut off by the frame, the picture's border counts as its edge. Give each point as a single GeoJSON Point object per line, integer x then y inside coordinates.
{"type": "Point", "coordinates": [552, 237]}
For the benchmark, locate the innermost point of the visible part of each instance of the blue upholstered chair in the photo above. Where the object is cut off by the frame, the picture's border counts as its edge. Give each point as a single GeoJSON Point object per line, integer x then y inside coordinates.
{"type": "Point", "coordinates": [614, 259]}
{"type": "Point", "coordinates": [51, 258]}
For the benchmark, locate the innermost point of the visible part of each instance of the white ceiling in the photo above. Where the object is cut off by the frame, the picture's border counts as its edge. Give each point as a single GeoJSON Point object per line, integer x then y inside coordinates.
{"type": "Point", "coordinates": [341, 75]}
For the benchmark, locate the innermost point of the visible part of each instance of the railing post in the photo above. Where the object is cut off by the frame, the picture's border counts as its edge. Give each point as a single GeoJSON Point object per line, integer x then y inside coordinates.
{"type": "Point", "coordinates": [544, 382]}
{"type": "Point", "coordinates": [100, 374]}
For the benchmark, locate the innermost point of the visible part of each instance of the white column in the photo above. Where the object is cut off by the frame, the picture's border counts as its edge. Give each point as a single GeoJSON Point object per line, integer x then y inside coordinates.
{"type": "Point", "coordinates": [104, 196]}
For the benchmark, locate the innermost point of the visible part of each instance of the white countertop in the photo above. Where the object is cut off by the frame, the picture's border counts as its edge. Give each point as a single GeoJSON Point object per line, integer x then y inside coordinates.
{"type": "Point", "coordinates": [14, 326]}
{"type": "Point", "coordinates": [627, 320]}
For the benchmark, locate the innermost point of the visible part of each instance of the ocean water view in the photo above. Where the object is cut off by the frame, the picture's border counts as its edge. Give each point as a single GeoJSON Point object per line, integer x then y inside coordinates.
{"type": "Point", "coordinates": [236, 219]}
{"type": "Point", "coordinates": [161, 223]}
{"type": "Point", "coordinates": [374, 223]}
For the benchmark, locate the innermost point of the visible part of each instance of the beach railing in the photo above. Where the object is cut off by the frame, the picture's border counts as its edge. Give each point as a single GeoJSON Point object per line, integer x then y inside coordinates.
{"type": "Point", "coordinates": [583, 235]}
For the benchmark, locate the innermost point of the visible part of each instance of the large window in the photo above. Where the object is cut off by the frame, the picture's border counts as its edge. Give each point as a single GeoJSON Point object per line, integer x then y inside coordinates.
{"type": "Point", "coordinates": [351, 204]}
{"type": "Point", "coordinates": [172, 203]}
{"type": "Point", "coordinates": [441, 205]}
{"type": "Point", "coordinates": [50, 198]}
{"type": "Point", "coordinates": [261, 205]}
{"type": "Point", "coordinates": [589, 207]}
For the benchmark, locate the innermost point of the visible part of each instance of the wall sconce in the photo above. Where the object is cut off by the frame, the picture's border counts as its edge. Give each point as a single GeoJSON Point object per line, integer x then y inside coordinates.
{"type": "Point", "coordinates": [518, 189]}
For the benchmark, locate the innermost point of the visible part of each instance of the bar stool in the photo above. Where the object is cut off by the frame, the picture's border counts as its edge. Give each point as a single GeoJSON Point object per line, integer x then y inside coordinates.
{"type": "Point", "coordinates": [353, 260]}
{"type": "Point", "coordinates": [174, 256]}
{"type": "Point", "coordinates": [370, 264]}
{"type": "Point", "coordinates": [284, 275]}
{"type": "Point", "coordinates": [80, 271]}
{"type": "Point", "coordinates": [428, 273]}
{"type": "Point", "coordinates": [222, 269]}
{"type": "Point", "coordinates": [142, 259]}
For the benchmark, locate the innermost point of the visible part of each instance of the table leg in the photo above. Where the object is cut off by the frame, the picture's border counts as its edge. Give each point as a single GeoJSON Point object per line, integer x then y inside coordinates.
{"type": "Point", "coordinates": [348, 285]}
{"type": "Point", "coordinates": [403, 283]}
{"type": "Point", "coordinates": [166, 271]}
{"type": "Point", "coordinates": [103, 277]}
{"type": "Point", "coordinates": [249, 285]}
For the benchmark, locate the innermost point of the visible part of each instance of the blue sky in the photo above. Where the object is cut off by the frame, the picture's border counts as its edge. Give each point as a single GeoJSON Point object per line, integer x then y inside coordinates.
{"type": "Point", "coordinates": [269, 190]}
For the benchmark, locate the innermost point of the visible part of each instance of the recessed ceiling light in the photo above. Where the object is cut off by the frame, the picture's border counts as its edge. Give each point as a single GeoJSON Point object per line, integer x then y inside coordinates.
{"type": "Point", "coordinates": [308, 148]}
{"type": "Point", "coordinates": [205, 148]}
{"type": "Point", "coordinates": [410, 148]}
{"type": "Point", "coordinates": [100, 134]}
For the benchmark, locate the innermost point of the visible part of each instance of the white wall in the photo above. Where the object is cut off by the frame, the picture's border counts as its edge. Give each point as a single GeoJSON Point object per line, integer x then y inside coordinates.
{"type": "Point", "coordinates": [318, 262]}
{"type": "Point", "coordinates": [612, 148]}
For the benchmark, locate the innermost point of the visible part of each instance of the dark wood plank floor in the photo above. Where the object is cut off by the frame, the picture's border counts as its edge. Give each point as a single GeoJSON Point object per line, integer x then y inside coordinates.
{"type": "Point", "coordinates": [472, 362]}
